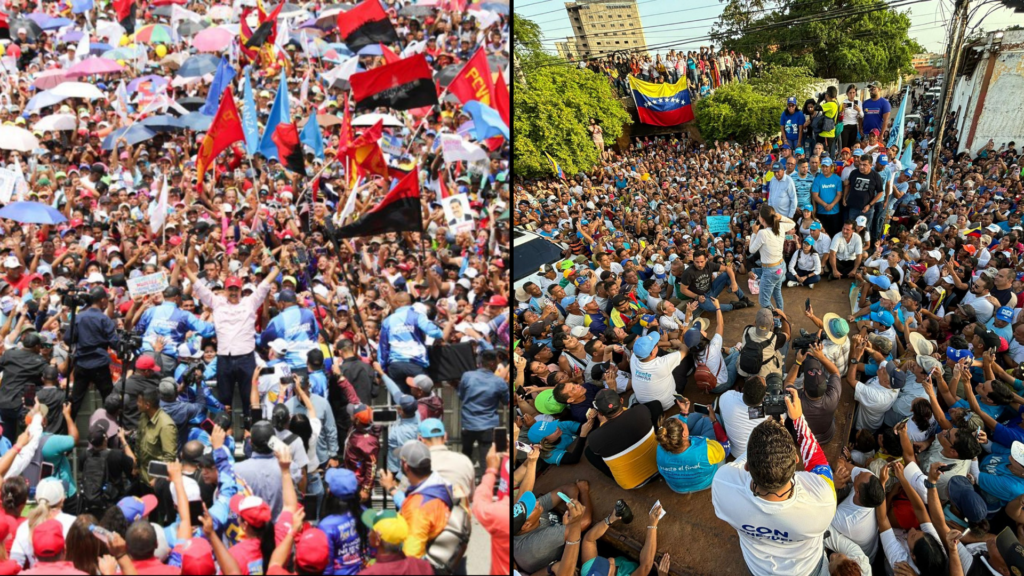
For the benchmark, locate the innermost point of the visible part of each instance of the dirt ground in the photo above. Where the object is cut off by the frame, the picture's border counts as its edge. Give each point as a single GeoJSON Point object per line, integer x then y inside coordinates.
{"type": "Point", "coordinates": [696, 540]}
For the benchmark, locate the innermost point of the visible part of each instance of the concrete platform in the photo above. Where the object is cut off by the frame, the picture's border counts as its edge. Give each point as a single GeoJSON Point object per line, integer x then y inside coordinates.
{"type": "Point", "coordinates": [698, 542]}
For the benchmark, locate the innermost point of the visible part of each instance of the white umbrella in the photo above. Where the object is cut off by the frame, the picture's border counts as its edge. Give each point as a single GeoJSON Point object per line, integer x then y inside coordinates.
{"type": "Point", "coordinates": [78, 90]}
{"type": "Point", "coordinates": [220, 12]}
{"type": "Point", "coordinates": [56, 123]}
{"type": "Point", "coordinates": [372, 119]}
{"type": "Point", "coordinates": [19, 139]}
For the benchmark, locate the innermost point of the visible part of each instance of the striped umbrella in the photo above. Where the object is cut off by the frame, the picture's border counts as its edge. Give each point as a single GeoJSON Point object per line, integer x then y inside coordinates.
{"type": "Point", "coordinates": [155, 34]}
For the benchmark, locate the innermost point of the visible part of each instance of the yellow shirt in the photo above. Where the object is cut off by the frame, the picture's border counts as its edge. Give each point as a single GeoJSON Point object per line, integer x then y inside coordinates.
{"type": "Point", "coordinates": [831, 110]}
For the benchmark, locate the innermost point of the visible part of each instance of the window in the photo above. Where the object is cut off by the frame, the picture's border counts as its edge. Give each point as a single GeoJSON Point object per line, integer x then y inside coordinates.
{"type": "Point", "coordinates": [616, 41]}
{"type": "Point", "coordinates": [599, 43]}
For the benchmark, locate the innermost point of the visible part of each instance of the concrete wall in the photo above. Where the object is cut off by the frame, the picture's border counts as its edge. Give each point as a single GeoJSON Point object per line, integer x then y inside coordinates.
{"type": "Point", "coordinates": [989, 99]}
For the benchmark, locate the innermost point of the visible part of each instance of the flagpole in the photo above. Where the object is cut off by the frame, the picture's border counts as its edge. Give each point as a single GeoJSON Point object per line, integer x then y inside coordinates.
{"type": "Point", "coordinates": [424, 121]}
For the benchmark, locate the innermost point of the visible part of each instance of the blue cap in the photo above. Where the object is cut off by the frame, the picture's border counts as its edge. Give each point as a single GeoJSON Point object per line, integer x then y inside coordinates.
{"type": "Point", "coordinates": [882, 282]}
{"type": "Point", "coordinates": [826, 162]}
{"type": "Point", "coordinates": [957, 355]}
{"type": "Point", "coordinates": [791, 100]}
{"type": "Point", "coordinates": [1005, 313]}
{"type": "Point", "coordinates": [800, 150]}
{"type": "Point", "coordinates": [969, 502]}
{"type": "Point", "coordinates": [883, 317]}
{"type": "Point", "coordinates": [815, 225]}
{"type": "Point", "coordinates": [858, 152]}
{"type": "Point", "coordinates": [692, 337]}
{"type": "Point", "coordinates": [647, 319]}
{"type": "Point", "coordinates": [135, 508]}
{"type": "Point", "coordinates": [808, 240]}
{"type": "Point", "coordinates": [541, 430]}
{"type": "Point", "coordinates": [883, 159]}
{"type": "Point", "coordinates": [342, 483]}
{"type": "Point", "coordinates": [807, 207]}
{"type": "Point", "coordinates": [787, 147]}
{"type": "Point", "coordinates": [407, 403]}
{"type": "Point", "coordinates": [642, 348]}
{"type": "Point", "coordinates": [525, 505]}
{"type": "Point", "coordinates": [782, 162]}
{"type": "Point", "coordinates": [567, 301]}
{"type": "Point", "coordinates": [431, 428]}
{"type": "Point", "coordinates": [908, 172]}
{"type": "Point", "coordinates": [776, 166]}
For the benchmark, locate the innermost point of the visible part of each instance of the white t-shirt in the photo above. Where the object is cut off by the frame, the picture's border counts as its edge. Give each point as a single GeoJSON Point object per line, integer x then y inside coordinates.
{"type": "Point", "coordinates": [21, 548]}
{"type": "Point", "coordinates": [875, 400]}
{"type": "Point", "coordinates": [983, 309]}
{"type": "Point", "coordinates": [857, 522]}
{"type": "Point", "coordinates": [738, 425]}
{"type": "Point", "coordinates": [653, 380]}
{"type": "Point", "coordinates": [713, 359]}
{"type": "Point", "coordinates": [776, 537]}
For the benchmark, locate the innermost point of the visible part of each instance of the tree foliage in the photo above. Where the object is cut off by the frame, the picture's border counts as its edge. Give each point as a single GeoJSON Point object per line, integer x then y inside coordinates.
{"type": "Point", "coordinates": [852, 48]}
{"type": "Point", "coordinates": [554, 106]}
{"type": "Point", "coordinates": [740, 111]}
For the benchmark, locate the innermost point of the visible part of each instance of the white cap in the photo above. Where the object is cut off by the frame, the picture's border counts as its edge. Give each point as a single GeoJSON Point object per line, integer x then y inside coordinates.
{"type": "Point", "coordinates": [191, 491]}
{"type": "Point", "coordinates": [470, 273]}
{"type": "Point", "coordinates": [935, 254]}
{"type": "Point", "coordinates": [12, 262]}
{"type": "Point", "coordinates": [321, 290]}
{"type": "Point", "coordinates": [249, 286]}
{"type": "Point", "coordinates": [862, 220]}
{"type": "Point", "coordinates": [892, 294]}
{"type": "Point", "coordinates": [579, 331]}
{"type": "Point", "coordinates": [465, 283]}
{"type": "Point", "coordinates": [95, 277]}
{"type": "Point", "coordinates": [659, 270]}
{"type": "Point", "coordinates": [1016, 452]}
{"type": "Point", "coordinates": [52, 490]}
{"type": "Point", "coordinates": [590, 205]}
{"type": "Point", "coordinates": [279, 346]}
{"type": "Point", "coordinates": [584, 299]}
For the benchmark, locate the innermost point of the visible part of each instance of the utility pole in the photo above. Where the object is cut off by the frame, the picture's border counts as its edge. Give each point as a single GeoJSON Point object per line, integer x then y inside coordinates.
{"type": "Point", "coordinates": [954, 56]}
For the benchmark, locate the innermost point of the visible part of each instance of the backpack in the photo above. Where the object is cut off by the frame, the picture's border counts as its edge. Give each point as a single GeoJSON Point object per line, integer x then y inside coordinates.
{"type": "Point", "coordinates": [752, 355]}
{"type": "Point", "coordinates": [98, 493]}
{"type": "Point", "coordinates": [706, 381]}
{"type": "Point", "coordinates": [34, 470]}
{"type": "Point", "coordinates": [446, 551]}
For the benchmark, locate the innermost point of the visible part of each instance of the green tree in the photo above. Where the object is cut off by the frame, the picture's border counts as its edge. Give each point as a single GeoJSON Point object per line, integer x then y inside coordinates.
{"type": "Point", "coordinates": [740, 111]}
{"type": "Point", "coordinates": [553, 108]}
{"type": "Point", "coordinates": [853, 48]}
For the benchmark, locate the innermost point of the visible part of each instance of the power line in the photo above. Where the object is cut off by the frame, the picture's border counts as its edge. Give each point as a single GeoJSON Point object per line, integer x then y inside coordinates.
{"type": "Point", "coordinates": [560, 9]}
{"type": "Point", "coordinates": [531, 4]}
{"type": "Point", "coordinates": [834, 15]}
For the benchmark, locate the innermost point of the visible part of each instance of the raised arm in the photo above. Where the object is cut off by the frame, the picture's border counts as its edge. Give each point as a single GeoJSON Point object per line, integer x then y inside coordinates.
{"type": "Point", "coordinates": [940, 417]}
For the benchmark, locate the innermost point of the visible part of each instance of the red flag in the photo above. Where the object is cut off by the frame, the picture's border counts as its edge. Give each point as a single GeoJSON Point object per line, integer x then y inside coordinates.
{"type": "Point", "coordinates": [289, 149]}
{"type": "Point", "coordinates": [245, 32]}
{"type": "Point", "coordinates": [444, 187]}
{"type": "Point", "coordinates": [389, 56]}
{"type": "Point", "coordinates": [474, 81]}
{"type": "Point", "coordinates": [366, 24]}
{"type": "Point", "coordinates": [123, 9]}
{"type": "Point", "coordinates": [407, 83]}
{"type": "Point", "coordinates": [225, 130]}
{"type": "Point", "coordinates": [168, 2]}
{"type": "Point", "coordinates": [366, 152]}
{"type": "Point", "coordinates": [501, 98]}
{"type": "Point", "coordinates": [345, 137]}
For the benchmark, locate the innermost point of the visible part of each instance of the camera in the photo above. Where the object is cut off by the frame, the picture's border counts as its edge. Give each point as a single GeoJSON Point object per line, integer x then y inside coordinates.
{"type": "Point", "coordinates": [128, 343]}
{"type": "Point", "coordinates": [774, 399]}
{"type": "Point", "coordinates": [804, 341]}
{"type": "Point", "coordinates": [194, 372]}
{"type": "Point", "coordinates": [74, 297]}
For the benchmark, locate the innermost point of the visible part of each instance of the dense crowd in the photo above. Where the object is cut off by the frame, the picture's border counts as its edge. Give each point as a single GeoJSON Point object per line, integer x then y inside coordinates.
{"type": "Point", "coordinates": [664, 240]}
{"type": "Point", "coordinates": [705, 69]}
{"type": "Point", "coordinates": [288, 377]}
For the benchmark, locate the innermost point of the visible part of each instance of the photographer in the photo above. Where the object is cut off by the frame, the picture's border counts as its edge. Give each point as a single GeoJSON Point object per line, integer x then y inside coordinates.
{"type": "Point", "coordinates": [781, 514]}
{"type": "Point", "coordinates": [821, 390]}
{"type": "Point", "coordinates": [762, 344]}
{"type": "Point", "coordinates": [94, 332]}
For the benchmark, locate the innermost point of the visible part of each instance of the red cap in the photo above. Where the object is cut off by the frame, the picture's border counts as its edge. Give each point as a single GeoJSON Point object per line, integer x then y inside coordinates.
{"type": "Point", "coordinates": [1003, 347]}
{"type": "Point", "coordinates": [196, 557]}
{"type": "Point", "coordinates": [48, 539]}
{"type": "Point", "coordinates": [174, 240]}
{"type": "Point", "coordinates": [286, 233]}
{"type": "Point", "coordinates": [124, 307]}
{"type": "Point", "coordinates": [145, 362]}
{"type": "Point", "coordinates": [252, 509]}
{"type": "Point", "coordinates": [498, 301]}
{"type": "Point", "coordinates": [320, 312]}
{"type": "Point", "coordinates": [233, 282]}
{"type": "Point", "coordinates": [76, 222]}
{"type": "Point", "coordinates": [85, 193]}
{"type": "Point", "coordinates": [312, 551]}
{"type": "Point", "coordinates": [499, 263]}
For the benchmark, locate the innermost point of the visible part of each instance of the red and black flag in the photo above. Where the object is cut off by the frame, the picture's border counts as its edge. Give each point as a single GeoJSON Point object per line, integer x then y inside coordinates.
{"type": "Point", "coordinates": [289, 149]}
{"type": "Point", "coordinates": [399, 211]}
{"type": "Point", "coordinates": [403, 85]}
{"type": "Point", "coordinates": [266, 31]}
{"type": "Point", "coordinates": [5, 26]}
{"type": "Point", "coordinates": [125, 10]}
{"type": "Point", "coordinates": [366, 24]}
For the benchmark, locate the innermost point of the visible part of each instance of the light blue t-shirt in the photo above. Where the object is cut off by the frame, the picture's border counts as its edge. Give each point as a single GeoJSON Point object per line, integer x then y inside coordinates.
{"type": "Point", "coordinates": [827, 188]}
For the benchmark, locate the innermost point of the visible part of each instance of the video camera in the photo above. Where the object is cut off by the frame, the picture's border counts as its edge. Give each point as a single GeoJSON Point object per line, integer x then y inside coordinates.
{"type": "Point", "coordinates": [804, 341]}
{"type": "Point", "coordinates": [128, 343]}
{"type": "Point", "coordinates": [74, 297]}
{"type": "Point", "coordinates": [774, 399]}
{"type": "Point", "coordinates": [194, 372]}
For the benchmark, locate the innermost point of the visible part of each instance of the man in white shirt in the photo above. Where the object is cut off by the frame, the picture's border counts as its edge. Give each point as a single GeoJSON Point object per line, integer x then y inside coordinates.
{"type": "Point", "coordinates": [573, 312]}
{"type": "Point", "coordinates": [734, 413]}
{"type": "Point", "coordinates": [653, 381]}
{"type": "Point", "coordinates": [855, 515]}
{"type": "Point", "coordinates": [933, 259]}
{"type": "Point", "coordinates": [877, 395]}
{"type": "Point", "coordinates": [846, 253]}
{"type": "Point", "coordinates": [781, 513]}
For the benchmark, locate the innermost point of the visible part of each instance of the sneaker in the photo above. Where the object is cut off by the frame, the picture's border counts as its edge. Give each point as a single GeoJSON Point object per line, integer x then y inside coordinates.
{"type": "Point", "coordinates": [811, 287]}
{"type": "Point", "coordinates": [791, 283]}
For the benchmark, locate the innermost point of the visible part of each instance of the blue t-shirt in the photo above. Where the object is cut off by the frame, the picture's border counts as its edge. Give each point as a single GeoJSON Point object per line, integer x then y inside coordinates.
{"type": "Point", "coordinates": [873, 112]}
{"type": "Point", "coordinates": [792, 123]}
{"type": "Point", "coordinates": [691, 470]}
{"type": "Point", "coordinates": [827, 189]}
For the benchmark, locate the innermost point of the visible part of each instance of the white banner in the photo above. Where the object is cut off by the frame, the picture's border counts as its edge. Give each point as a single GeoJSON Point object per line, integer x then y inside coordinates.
{"type": "Point", "coordinates": [455, 148]}
{"type": "Point", "coordinates": [149, 284]}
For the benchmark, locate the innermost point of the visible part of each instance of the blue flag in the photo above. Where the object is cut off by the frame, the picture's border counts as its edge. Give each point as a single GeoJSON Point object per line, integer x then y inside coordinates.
{"type": "Point", "coordinates": [250, 126]}
{"type": "Point", "coordinates": [220, 82]}
{"type": "Point", "coordinates": [80, 6]}
{"type": "Point", "coordinates": [312, 137]}
{"type": "Point", "coordinates": [279, 113]}
{"type": "Point", "coordinates": [896, 136]}
{"type": "Point", "coordinates": [487, 123]}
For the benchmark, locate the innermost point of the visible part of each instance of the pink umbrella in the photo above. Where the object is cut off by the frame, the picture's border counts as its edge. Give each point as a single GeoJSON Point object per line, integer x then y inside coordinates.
{"type": "Point", "coordinates": [213, 39]}
{"type": "Point", "coordinates": [91, 66]}
{"type": "Point", "coordinates": [50, 79]}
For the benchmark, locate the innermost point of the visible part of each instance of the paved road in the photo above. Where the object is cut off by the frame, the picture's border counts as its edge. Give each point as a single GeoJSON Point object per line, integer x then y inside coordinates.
{"type": "Point", "coordinates": [479, 552]}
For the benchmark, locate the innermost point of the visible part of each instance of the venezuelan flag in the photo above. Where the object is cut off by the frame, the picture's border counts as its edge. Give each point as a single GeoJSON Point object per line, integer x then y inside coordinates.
{"type": "Point", "coordinates": [555, 166]}
{"type": "Point", "coordinates": [662, 104]}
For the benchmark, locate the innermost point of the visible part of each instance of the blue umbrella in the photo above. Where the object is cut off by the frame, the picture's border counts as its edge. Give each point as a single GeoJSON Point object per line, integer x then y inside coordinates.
{"type": "Point", "coordinates": [371, 50]}
{"type": "Point", "coordinates": [134, 134]}
{"type": "Point", "coordinates": [72, 36]}
{"type": "Point", "coordinates": [55, 23]}
{"type": "Point", "coordinates": [97, 48]}
{"type": "Point", "coordinates": [162, 123]}
{"type": "Point", "coordinates": [199, 65]}
{"type": "Point", "coordinates": [32, 213]}
{"type": "Point", "coordinates": [157, 82]}
{"type": "Point", "coordinates": [196, 121]}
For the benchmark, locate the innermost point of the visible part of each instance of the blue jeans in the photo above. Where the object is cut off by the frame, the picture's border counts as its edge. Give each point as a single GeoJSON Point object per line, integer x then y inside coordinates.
{"type": "Point", "coordinates": [876, 224]}
{"type": "Point", "coordinates": [810, 281]}
{"type": "Point", "coordinates": [700, 425]}
{"type": "Point", "coordinates": [718, 285]}
{"type": "Point", "coordinates": [730, 366]}
{"type": "Point", "coordinates": [868, 213]}
{"type": "Point", "coordinates": [771, 285]}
